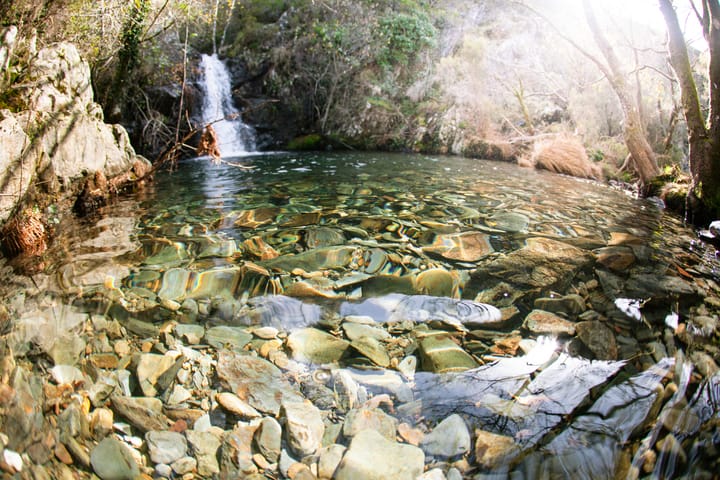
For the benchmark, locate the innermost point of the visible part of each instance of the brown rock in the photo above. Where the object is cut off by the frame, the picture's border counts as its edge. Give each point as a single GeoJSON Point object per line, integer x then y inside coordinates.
{"type": "Point", "coordinates": [541, 322]}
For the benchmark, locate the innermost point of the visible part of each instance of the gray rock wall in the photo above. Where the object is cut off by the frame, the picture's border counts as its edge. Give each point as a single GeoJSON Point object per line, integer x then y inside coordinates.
{"type": "Point", "coordinates": [60, 130]}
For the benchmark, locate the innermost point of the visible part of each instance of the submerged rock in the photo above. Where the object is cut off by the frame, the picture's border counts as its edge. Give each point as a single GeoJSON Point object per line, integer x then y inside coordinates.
{"type": "Point", "coordinates": [440, 354]}
{"type": "Point", "coordinates": [542, 262]}
{"type": "Point", "coordinates": [448, 439]}
{"type": "Point", "coordinates": [316, 346]}
{"type": "Point", "coordinates": [492, 450]}
{"type": "Point", "coordinates": [463, 247]}
{"type": "Point", "coordinates": [541, 322]}
{"type": "Point", "coordinates": [256, 381]}
{"type": "Point", "coordinates": [422, 308]}
{"type": "Point", "coordinates": [304, 427]}
{"type": "Point", "coordinates": [112, 460]}
{"type": "Point", "coordinates": [371, 456]}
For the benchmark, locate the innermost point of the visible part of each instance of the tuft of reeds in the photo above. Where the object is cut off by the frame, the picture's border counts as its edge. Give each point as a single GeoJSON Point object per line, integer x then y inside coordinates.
{"type": "Point", "coordinates": [561, 154]}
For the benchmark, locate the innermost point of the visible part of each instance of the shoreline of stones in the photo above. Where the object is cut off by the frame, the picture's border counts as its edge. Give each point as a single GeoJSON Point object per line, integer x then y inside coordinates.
{"type": "Point", "coordinates": [135, 400]}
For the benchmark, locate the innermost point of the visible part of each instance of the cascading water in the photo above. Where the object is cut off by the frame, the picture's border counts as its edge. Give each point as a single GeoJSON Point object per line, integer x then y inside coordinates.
{"type": "Point", "coordinates": [234, 137]}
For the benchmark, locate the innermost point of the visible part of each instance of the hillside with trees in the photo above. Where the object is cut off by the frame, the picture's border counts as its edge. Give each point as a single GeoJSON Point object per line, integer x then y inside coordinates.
{"type": "Point", "coordinates": [483, 79]}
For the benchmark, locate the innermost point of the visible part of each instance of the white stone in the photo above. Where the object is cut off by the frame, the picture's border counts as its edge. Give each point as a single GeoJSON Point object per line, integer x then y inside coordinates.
{"type": "Point", "coordinates": [304, 427]}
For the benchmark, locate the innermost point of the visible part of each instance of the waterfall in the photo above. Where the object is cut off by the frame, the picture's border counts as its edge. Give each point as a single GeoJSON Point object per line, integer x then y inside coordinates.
{"type": "Point", "coordinates": [234, 137]}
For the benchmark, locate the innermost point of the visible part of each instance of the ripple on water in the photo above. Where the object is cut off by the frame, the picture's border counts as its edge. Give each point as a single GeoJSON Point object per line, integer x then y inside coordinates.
{"type": "Point", "coordinates": [305, 244]}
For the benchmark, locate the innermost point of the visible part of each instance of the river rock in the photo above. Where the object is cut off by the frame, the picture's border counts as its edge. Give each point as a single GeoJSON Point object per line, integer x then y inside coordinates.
{"type": "Point", "coordinates": [165, 446]}
{"type": "Point", "coordinates": [112, 460]}
{"type": "Point", "coordinates": [316, 346]}
{"type": "Point", "coordinates": [448, 439]}
{"type": "Point", "coordinates": [439, 354]}
{"type": "Point", "coordinates": [316, 259]}
{"type": "Point", "coordinates": [371, 456]}
{"type": "Point", "coordinates": [463, 247]}
{"type": "Point", "coordinates": [492, 450]}
{"type": "Point", "coordinates": [541, 322]}
{"type": "Point", "coordinates": [190, 334]}
{"type": "Point", "coordinates": [268, 439]}
{"type": "Point", "coordinates": [572, 304]}
{"type": "Point", "coordinates": [354, 330]}
{"type": "Point", "coordinates": [513, 222]}
{"type": "Point", "coordinates": [541, 263]}
{"type": "Point", "coordinates": [205, 446]}
{"type": "Point", "coordinates": [233, 404]}
{"type": "Point", "coordinates": [144, 413]}
{"type": "Point", "coordinates": [373, 350]}
{"type": "Point", "coordinates": [374, 419]}
{"type": "Point", "coordinates": [256, 381]}
{"type": "Point", "coordinates": [236, 456]}
{"type": "Point", "coordinates": [616, 258]}
{"type": "Point", "coordinates": [328, 460]}
{"type": "Point", "coordinates": [304, 427]}
{"type": "Point", "coordinates": [437, 282]}
{"type": "Point", "coordinates": [151, 367]}
{"type": "Point", "coordinates": [175, 280]}
{"type": "Point", "coordinates": [599, 339]}
{"type": "Point", "coordinates": [234, 338]}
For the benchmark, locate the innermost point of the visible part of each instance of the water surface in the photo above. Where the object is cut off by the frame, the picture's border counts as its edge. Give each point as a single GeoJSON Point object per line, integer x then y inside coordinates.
{"type": "Point", "coordinates": [302, 240]}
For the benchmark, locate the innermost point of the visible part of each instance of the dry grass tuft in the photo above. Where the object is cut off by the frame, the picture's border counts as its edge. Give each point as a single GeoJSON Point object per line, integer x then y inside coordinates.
{"type": "Point", "coordinates": [24, 233]}
{"type": "Point", "coordinates": [562, 154]}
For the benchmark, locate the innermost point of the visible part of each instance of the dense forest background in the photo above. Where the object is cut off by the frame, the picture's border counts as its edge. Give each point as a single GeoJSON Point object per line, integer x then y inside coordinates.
{"type": "Point", "coordinates": [486, 79]}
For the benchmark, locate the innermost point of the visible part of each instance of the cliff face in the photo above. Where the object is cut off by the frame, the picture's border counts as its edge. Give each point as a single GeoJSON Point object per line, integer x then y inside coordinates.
{"type": "Point", "coordinates": [55, 134]}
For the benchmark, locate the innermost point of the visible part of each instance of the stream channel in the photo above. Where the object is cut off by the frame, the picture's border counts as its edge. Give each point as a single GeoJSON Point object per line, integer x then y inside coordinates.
{"type": "Point", "coordinates": [505, 322]}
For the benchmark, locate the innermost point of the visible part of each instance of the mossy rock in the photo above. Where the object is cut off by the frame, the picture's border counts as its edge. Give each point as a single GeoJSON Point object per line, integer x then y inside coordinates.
{"type": "Point", "coordinates": [503, 152]}
{"type": "Point", "coordinates": [313, 141]}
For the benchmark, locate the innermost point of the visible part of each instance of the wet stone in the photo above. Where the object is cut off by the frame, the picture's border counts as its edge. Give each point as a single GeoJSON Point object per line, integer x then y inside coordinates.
{"type": "Point", "coordinates": [354, 330]}
{"type": "Point", "coordinates": [144, 413]}
{"type": "Point", "coordinates": [450, 438]}
{"type": "Point", "coordinates": [599, 339]}
{"type": "Point", "coordinates": [329, 459]}
{"type": "Point", "coordinates": [615, 258]}
{"type": "Point", "coordinates": [234, 338]}
{"type": "Point", "coordinates": [268, 439]}
{"type": "Point", "coordinates": [542, 262]}
{"type": "Point", "coordinates": [165, 446]}
{"type": "Point", "coordinates": [492, 450]}
{"type": "Point", "coordinates": [112, 460]}
{"type": "Point", "coordinates": [316, 259]}
{"type": "Point", "coordinates": [572, 304]}
{"type": "Point", "coordinates": [439, 354]}
{"type": "Point", "coordinates": [374, 419]}
{"type": "Point", "coordinates": [236, 456]}
{"type": "Point", "coordinates": [174, 284]}
{"type": "Point", "coordinates": [222, 248]}
{"type": "Point", "coordinates": [151, 368]}
{"type": "Point", "coordinates": [304, 427]}
{"type": "Point", "coordinates": [204, 446]}
{"type": "Point", "coordinates": [184, 465]}
{"type": "Point", "coordinates": [233, 404]}
{"type": "Point", "coordinates": [190, 334]}
{"type": "Point", "coordinates": [463, 247]}
{"type": "Point", "coordinates": [256, 381]}
{"type": "Point", "coordinates": [323, 237]}
{"type": "Point", "coordinates": [316, 346]}
{"type": "Point", "coordinates": [372, 456]}
{"type": "Point", "coordinates": [541, 322]}
{"type": "Point", "coordinates": [508, 222]}
{"type": "Point", "coordinates": [373, 350]}
{"type": "Point", "coordinates": [437, 282]}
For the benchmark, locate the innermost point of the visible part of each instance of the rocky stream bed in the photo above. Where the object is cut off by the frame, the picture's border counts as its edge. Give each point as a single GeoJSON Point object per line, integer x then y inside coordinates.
{"type": "Point", "coordinates": [355, 327]}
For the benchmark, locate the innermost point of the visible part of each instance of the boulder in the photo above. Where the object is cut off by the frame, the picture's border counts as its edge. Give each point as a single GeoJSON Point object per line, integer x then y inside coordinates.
{"type": "Point", "coordinates": [62, 133]}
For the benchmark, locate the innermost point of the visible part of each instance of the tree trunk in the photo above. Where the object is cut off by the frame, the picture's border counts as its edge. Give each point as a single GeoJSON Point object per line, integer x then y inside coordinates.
{"type": "Point", "coordinates": [643, 157]}
{"type": "Point", "coordinates": [703, 137]}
